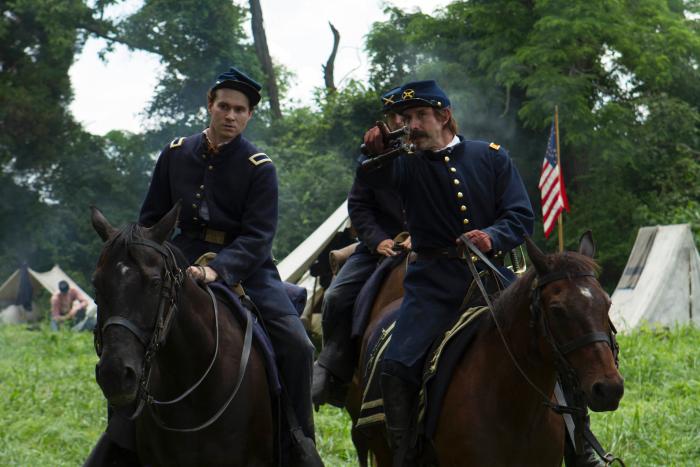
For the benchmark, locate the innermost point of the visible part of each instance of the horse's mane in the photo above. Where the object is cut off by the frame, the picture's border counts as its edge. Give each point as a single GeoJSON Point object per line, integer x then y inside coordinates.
{"type": "Point", "coordinates": [568, 262]}
{"type": "Point", "coordinates": [134, 231]}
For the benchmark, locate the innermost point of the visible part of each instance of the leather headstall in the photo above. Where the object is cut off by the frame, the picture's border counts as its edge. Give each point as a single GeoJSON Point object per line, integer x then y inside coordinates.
{"type": "Point", "coordinates": [172, 278]}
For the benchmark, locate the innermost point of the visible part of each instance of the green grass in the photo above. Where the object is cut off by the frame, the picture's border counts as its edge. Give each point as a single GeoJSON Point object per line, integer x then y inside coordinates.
{"type": "Point", "coordinates": [658, 422]}
{"type": "Point", "coordinates": [52, 412]}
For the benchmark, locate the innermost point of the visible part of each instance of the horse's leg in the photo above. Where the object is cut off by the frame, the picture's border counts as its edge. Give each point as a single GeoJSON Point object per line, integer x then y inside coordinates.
{"type": "Point", "coordinates": [107, 453]}
{"type": "Point", "coordinates": [360, 448]}
{"type": "Point", "coordinates": [379, 447]}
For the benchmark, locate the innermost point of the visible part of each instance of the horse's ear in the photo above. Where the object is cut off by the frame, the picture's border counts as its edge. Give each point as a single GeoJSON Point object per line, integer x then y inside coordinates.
{"type": "Point", "coordinates": [161, 231]}
{"type": "Point", "coordinates": [586, 246]}
{"type": "Point", "coordinates": [101, 225]}
{"type": "Point", "coordinates": [538, 258]}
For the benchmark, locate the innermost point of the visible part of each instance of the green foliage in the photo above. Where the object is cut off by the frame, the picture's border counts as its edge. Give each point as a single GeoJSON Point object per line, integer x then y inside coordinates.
{"type": "Point", "coordinates": [656, 423]}
{"type": "Point", "coordinates": [38, 41]}
{"type": "Point", "coordinates": [315, 151]}
{"type": "Point", "coordinates": [53, 411]}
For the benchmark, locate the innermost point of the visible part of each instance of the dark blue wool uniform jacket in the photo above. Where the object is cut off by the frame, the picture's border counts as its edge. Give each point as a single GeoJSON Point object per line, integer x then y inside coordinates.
{"type": "Point", "coordinates": [376, 214]}
{"type": "Point", "coordinates": [233, 191]}
{"type": "Point", "coordinates": [472, 185]}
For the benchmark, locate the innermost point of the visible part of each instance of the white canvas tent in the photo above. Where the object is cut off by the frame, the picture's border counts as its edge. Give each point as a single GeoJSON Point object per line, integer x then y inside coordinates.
{"type": "Point", "coordinates": [11, 313]}
{"type": "Point", "coordinates": [661, 281]}
{"type": "Point", "coordinates": [295, 266]}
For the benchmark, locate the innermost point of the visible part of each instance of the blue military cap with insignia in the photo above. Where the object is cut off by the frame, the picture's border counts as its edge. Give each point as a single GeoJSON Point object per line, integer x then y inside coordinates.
{"type": "Point", "coordinates": [236, 79]}
{"type": "Point", "coordinates": [390, 98]}
{"type": "Point", "coordinates": [419, 94]}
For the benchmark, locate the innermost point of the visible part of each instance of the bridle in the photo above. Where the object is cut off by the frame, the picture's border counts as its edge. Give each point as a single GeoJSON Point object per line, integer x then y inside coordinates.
{"type": "Point", "coordinates": [172, 279]}
{"type": "Point", "coordinates": [567, 374]}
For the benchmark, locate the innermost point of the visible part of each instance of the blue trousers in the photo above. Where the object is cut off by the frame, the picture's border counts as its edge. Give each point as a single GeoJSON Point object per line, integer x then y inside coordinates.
{"type": "Point", "coordinates": [338, 355]}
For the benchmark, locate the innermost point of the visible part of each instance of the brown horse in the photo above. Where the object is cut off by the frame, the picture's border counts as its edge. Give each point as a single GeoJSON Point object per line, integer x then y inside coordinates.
{"type": "Point", "coordinates": [552, 320]}
{"type": "Point", "coordinates": [174, 359]}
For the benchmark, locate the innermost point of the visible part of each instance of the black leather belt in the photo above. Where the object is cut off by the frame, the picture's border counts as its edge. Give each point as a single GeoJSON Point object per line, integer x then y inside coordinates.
{"type": "Point", "coordinates": [438, 253]}
{"type": "Point", "coordinates": [218, 237]}
{"type": "Point", "coordinates": [450, 252]}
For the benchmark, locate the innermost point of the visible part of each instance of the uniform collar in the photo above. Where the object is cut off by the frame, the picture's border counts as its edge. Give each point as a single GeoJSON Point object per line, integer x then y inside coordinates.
{"type": "Point", "coordinates": [455, 141]}
{"type": "Point", "coordinates": [440, 153]}
{"type": "Point", "coordinates": [219, 147]}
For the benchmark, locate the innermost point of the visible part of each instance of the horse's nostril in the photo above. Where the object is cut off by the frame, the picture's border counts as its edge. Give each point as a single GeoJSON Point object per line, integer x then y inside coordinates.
{"type": "Point", "coordinates": [599, 390]}
{"type": "Point", "coordinates": [129, 375]}
{"type": "Point", "coordinates": [607, 391]}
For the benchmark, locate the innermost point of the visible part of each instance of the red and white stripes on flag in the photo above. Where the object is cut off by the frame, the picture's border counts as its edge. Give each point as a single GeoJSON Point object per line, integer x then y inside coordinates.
{"type": "Point", "coordinates": [553, 193]}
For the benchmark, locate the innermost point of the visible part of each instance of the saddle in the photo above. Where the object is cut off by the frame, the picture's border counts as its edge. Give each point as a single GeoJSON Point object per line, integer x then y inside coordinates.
{"type": "Point", "coordinates": [442, 358]}
{"type": "Point", "coordinates": [336, 258]}
{"type": "Point", "coordinates": [260, 337]}
{"type": "Point", "coordinates": [368, 293]}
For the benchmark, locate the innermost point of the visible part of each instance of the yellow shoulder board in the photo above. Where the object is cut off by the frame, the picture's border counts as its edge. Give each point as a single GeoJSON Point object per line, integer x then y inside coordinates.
{"type": "Point", "coordinates": [495, 146]}
{"type": "Point", "coordinates": [177, 142]}
{"type": "Point", "coordinates": [259, 158]}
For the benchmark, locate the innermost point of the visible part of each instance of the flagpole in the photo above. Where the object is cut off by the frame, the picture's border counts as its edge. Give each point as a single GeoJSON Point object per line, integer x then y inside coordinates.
{"type": "Point", "coordinates": [561, 214]}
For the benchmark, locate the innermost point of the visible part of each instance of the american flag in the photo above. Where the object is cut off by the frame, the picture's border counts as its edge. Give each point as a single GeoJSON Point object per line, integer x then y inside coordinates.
{"type": "Point", "coordinates": [551, 186]}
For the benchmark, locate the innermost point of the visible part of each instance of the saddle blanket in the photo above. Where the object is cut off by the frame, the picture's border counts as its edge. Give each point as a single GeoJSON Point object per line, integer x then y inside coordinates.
{"type": "Point", "coordinates": [369, 291]}
{"type": "Point", "coordinates": [443, 357]}
{"type": "Point", "coordinates": [260, 337]}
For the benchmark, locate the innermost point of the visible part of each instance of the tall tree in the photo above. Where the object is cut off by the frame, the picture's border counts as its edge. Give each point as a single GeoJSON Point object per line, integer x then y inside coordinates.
{"type": "Point", "coordinates": [263, 52]}
{"type": "Point", "coordinates": [329, 67]}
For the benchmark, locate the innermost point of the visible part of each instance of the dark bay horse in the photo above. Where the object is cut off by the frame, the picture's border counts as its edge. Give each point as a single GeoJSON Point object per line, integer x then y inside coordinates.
{"type": "Point", "coordinates": [552, 320]}
{"type": "Point", "coordinates": [172, 360]}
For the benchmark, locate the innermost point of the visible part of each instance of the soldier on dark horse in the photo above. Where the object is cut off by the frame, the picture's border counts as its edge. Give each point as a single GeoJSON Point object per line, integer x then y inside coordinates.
{"type": "Point", "coordinates": [228, 189]}
{"type": "Point", "coordinates": [452, 189]}
{"type": "Point", "coordinates": [377, 216]}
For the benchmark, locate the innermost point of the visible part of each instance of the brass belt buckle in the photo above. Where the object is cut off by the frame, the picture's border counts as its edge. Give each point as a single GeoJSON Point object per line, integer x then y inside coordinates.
{"type": "Point", "coordinates": [214, 236]}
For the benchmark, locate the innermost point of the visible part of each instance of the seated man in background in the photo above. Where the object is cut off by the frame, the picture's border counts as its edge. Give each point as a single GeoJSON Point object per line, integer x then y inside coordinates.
{"type": "Point", "coordinates": [377, 216]}
{"type": "Point", "coordinates": [67, 304]}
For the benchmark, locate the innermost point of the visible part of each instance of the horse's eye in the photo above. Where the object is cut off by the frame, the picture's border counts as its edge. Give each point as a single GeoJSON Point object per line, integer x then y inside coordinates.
{"type": "Point", "coordinates": [556, 308]}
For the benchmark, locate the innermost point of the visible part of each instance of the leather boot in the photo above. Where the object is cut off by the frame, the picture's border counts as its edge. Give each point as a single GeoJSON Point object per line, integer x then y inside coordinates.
{"type": "Point", "coordinates": [326, 388]}
{"type": "Point", "coordinates": [587, 458]}
{"type": "Point", "coordinates": [400, 404]}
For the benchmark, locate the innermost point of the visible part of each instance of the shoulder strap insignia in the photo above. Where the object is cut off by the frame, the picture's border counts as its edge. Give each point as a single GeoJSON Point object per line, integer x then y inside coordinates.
{"type": "Point", "coordinates": [259, 158]}
{"type": "Point", "coordinates": [495, 146]}
{"type": "Point", "coordinates": [177, 142]}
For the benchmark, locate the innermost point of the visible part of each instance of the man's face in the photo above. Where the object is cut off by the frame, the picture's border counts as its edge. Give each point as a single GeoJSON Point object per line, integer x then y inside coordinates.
{"type": "Point", "coordinates": [426, 127]}
{"type": "Point", "coordinates": [393, 120]}
{"type": "Point", "coordinates": [230, 112]}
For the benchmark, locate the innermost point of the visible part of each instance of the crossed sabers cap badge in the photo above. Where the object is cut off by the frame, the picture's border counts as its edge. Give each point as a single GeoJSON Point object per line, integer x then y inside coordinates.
{"type": "Point", "coordinates": [408, 94]}
{"type": "Point", "coordinates": [388, 100]}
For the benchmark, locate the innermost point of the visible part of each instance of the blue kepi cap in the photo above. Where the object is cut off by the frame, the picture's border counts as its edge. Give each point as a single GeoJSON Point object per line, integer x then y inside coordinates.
{"type": "Point", "coordinates": [236, 79]}
{"type": "Point", "coordinates": [420, 94]}
{"type": "Point", "coordinates": [390, 98]}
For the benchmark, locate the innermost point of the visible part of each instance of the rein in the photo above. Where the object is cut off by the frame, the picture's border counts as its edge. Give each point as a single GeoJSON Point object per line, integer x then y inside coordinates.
{"type": "Point", "coordinates": [565, 371]}
{"type": "Point", "coordinates": [173, 279]}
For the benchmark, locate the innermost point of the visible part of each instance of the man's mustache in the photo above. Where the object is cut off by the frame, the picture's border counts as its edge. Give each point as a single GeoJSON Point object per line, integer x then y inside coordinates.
{"type": "Point", "coordinates": [418, 134]}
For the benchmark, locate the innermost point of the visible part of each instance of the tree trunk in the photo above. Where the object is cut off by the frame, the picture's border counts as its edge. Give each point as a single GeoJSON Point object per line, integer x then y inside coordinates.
{"type": "Point", "coordinates": [330, 64]}
{"type": "Point", "coordinates": [261, 49]}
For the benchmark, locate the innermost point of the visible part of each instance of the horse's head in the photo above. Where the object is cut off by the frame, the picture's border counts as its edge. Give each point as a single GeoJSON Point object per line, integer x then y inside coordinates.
{"type": "Point", "coordinates": [133, 282]}
{"type": "Point", "coordinates": [572, 310]}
